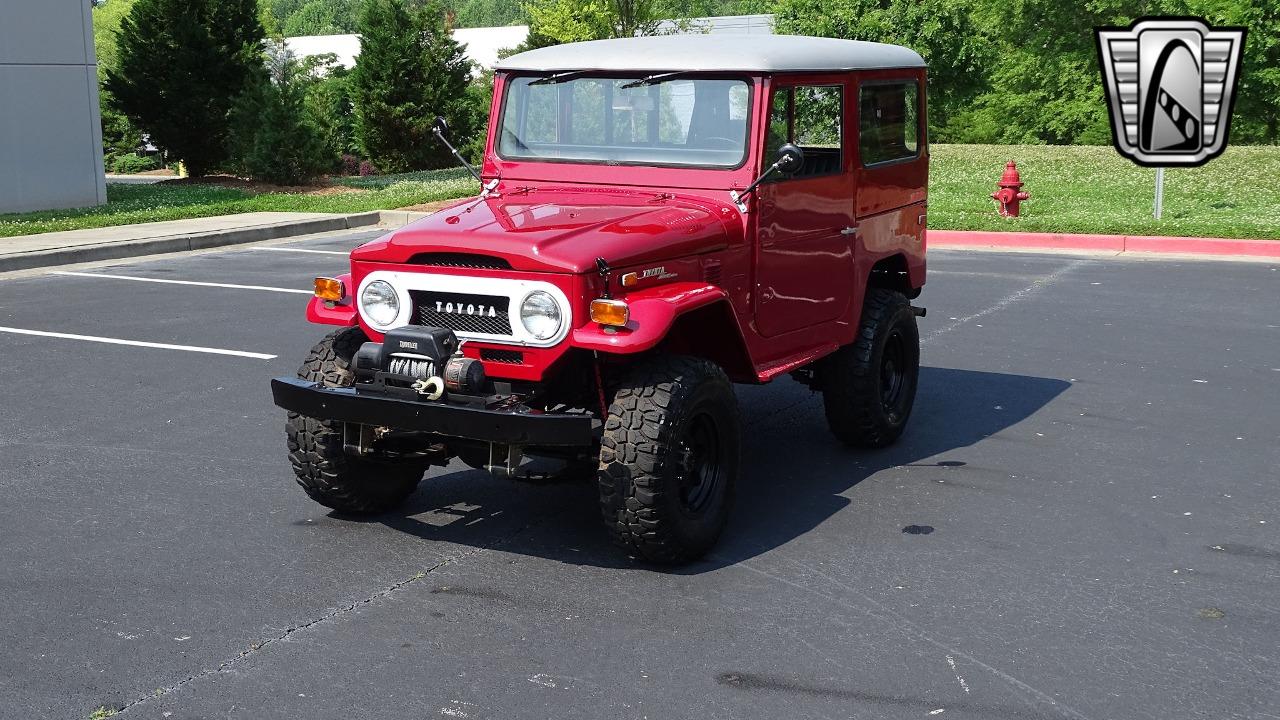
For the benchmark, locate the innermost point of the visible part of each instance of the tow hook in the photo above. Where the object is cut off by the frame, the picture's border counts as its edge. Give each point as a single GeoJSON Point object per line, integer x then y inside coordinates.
{"type": "Point", "coordinates": [431, 388]}
{"type": "Point", "coordinates": [919, 311]}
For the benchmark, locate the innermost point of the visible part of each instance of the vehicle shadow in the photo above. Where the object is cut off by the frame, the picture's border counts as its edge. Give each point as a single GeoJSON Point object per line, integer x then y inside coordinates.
{"type": "Point", "coordinates": [795, 475]}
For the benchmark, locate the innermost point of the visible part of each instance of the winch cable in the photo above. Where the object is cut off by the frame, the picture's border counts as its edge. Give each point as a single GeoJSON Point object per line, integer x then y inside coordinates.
{"type": "Point", "coordinates": [412, 367]}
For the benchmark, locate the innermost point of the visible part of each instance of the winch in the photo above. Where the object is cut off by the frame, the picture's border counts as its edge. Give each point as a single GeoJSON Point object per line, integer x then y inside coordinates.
{"type": "Point", "coordinates": [426, 360]}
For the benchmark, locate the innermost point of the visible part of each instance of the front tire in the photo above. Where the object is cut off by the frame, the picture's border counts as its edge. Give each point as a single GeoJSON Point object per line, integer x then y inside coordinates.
{"type": "Point", "coordinates": [669, 458]}
{"type": "Point", "coordinates": [330, 476]}
{"type": "Point", "coordinates": [869, 386]}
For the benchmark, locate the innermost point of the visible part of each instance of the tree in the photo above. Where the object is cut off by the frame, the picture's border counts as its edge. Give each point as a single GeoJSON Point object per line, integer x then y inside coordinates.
{"type": "Point", "coordinates": [409, 71]}
{"type": "Point", "coordinates": [487, 13]}
{"type": "Point", "coordinates": [942, 31]}
{"type": "Point", "coordinates": [322, 17]}
{"type": "Point", "coordinates": [328, 103]}
{"type": "Point", "coordinates": [1257, 111]}
{"type": "Point", "coordinates": [272, 138]}
{"type": "Point", "coordinates": [119, 136]}
{"type": "Point", "coordinates": [182, 64]}
{"type": "Point", "coordinates": [293, 18]}
{"type": "Point", "coordinates": [554, 22]}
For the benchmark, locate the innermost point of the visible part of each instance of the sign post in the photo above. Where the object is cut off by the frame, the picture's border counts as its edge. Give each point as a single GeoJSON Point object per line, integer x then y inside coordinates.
{"type": "Point", "coordinates": [1159, 192]}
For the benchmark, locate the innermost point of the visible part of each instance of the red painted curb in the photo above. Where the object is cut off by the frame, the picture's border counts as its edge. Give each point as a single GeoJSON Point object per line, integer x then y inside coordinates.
{"type": "Point", "coordinates": [1224, 247]}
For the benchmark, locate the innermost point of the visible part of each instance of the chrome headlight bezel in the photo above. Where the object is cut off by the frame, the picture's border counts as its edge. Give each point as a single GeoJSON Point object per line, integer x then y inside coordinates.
{"type": "Point", "coordinates": [514, 290]}
{"type": "Point", "coordinates": [382, 297]}
{"type": "Point", "coordinates": [541, 315]}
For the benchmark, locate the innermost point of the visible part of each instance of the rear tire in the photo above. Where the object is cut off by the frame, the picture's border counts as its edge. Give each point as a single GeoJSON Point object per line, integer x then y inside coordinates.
{"type": "Point", "coordinates": [669, 458]}
{"type": "Point", "coordinates": [330, 476]}
{"type": "Point", "coordinates": [869, 386]}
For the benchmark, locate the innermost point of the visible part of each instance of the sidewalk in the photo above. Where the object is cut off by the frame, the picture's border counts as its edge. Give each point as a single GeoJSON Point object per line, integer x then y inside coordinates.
{"type": "Point", "coordinates": [110, 243]}
{"type": "Point", "coordinates": [1133, 245]}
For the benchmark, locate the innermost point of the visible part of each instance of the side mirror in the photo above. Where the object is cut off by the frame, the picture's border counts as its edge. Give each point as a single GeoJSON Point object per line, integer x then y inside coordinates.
{"type": "Point", "coordinates": [790, 159]}
{"type": "Point", "coordinates": [441, 127]}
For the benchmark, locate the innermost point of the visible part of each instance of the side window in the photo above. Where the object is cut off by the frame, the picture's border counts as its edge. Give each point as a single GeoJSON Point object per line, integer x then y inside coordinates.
{"type": "Point", "coordinates": [810, 116]}
{"type": "Point", "coordinates": [888, 122]}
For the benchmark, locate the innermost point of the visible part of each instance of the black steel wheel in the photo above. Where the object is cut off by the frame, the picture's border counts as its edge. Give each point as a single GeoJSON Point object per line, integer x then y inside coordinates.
{"type": "Point", "coordinates": [869, 386]}
{"type": "Point", "coordinates": [669, 458]}
{"type": "Point", "coordinates": [701, 470]}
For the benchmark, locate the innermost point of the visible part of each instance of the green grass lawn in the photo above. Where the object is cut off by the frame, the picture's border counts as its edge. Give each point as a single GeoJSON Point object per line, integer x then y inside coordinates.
{"type": "Point", "coordinates": [1086, 189]}
{"type": "Point", "coordinates": [1073, 190]}
{"type": "Point", "coordinates": [152, 203]}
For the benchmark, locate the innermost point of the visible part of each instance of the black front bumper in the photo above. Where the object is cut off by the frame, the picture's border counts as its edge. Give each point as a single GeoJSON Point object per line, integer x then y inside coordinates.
{"type": "Point", "coordinates": [442, 418]}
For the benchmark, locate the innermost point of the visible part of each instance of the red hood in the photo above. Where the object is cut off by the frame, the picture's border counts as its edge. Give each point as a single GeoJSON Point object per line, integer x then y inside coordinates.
{"type": "Point", "coordinates": [549, 230]}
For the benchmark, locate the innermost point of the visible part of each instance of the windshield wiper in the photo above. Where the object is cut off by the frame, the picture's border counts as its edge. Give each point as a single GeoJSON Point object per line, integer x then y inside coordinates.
{"type": "Point", "coordinates": [652, 79]}
{"type": "Point", "coordinates": [560, 77]}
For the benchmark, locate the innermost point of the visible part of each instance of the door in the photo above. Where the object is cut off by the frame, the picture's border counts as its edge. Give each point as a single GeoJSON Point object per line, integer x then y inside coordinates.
{"type": "Point", "coordinates": [804, 261]}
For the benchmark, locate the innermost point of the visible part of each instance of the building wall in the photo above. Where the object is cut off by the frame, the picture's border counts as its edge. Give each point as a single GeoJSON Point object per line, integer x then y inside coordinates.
{"type": "Point", "coordinates": [50, 129]}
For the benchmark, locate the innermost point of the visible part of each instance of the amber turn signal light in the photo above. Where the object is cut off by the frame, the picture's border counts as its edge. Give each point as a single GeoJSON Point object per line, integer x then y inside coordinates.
{"type": "Point", "coordinates": [610, 312]}
{"type": "Point", "coordinates": [330, 289]}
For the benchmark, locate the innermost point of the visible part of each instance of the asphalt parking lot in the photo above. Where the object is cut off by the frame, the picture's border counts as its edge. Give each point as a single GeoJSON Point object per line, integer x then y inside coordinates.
{"type": "Point", "coordinates": [1081, 522]}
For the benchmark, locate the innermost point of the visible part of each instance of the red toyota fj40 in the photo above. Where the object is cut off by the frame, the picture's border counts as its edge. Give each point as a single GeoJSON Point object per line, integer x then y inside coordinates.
{"type": "Point", "coordinates": [660, 217]}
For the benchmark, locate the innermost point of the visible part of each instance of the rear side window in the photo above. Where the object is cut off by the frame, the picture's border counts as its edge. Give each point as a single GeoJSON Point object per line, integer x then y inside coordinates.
{"type": "Point", "coordinates": [810, 116]}
{"type": "Point", "coordinates": [888, 122]}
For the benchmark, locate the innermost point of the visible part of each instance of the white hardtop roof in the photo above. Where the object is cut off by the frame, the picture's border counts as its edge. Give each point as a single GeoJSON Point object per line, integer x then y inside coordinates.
{"type": "Point", "coordinates": [715, 53]}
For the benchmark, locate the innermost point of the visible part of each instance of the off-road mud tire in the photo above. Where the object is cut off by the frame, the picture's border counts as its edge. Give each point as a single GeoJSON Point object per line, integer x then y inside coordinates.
{"type": "Point", "coordinates": [323, 468]}
{"type": "Point", "coordinates": [666, 414]}
{"type": "Point", "coordinates": [869, 386]}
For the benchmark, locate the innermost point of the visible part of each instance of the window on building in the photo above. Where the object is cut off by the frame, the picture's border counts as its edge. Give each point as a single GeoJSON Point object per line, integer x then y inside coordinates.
{"type": "Point", "coordinates": [888, 122]}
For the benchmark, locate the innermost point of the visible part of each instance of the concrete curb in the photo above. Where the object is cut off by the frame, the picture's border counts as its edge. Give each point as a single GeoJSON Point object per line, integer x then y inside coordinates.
{"type": "Point", "coordinates": [1118, 244]}
{"type": "Point", "coordinates": [200, 241]}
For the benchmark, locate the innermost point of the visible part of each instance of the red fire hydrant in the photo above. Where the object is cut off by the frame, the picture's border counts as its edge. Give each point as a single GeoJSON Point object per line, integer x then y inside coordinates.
{"type": "Point", "coordinates": [1010, 192]}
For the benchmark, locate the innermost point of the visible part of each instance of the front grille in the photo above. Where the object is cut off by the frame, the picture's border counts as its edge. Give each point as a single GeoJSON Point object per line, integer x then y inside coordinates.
{"type": "Point", "coordinates": [462, 312]}
{"type": "Point", "coordinates": [460, 260]}
{"type": "Point", "coordinates": [511, 357]}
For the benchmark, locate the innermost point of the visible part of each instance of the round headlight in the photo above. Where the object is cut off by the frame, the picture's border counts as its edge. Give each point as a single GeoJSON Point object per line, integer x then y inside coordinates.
{"type": "Point", "coordinates": [379, 303]}
{"type": "Point", "coordinates": [540, 314]}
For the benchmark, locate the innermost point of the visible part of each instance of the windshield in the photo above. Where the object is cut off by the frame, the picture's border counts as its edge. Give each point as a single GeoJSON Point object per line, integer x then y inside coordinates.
{"type": "Point", "coordinates": [616, 120]}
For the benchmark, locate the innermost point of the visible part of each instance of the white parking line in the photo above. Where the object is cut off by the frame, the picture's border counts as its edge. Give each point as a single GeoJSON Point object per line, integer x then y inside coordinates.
{"type": "Point", "coordinates": [301, 250]}
{"type": "Point", "coordinates": [138, 343]}
{"type": "Point", "coordinates": [181, 282]}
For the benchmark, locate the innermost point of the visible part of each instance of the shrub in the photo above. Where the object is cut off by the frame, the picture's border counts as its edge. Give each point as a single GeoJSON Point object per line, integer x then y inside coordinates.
{"type": "Point", "coordinates": [350, 165]}
{"type": "Point", "coordinates": [367, 168]}
{"type": "Point", "coordinates": [130, 163]}
{"type": "Point", "coordinates": [272, 140]}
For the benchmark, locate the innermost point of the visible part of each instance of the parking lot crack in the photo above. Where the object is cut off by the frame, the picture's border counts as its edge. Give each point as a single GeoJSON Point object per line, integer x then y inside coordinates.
{"type": "Point", "coordinates": [1035, 287]}
{"type": "Point", "coordinates": [329, 616]}
{"type": "Point", "coordinates": [1033, 697]}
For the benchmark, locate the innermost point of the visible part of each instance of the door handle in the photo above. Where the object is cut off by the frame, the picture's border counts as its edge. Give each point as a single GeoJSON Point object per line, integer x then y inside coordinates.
{"type": "Point", "coordinates": [851, 230]}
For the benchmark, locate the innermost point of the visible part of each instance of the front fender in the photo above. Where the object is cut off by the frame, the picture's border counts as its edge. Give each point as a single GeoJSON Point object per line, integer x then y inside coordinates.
{"type": "Point", "coordinates": [653, 311]}
{"type": "Point", "coordinates": [342, 313]}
